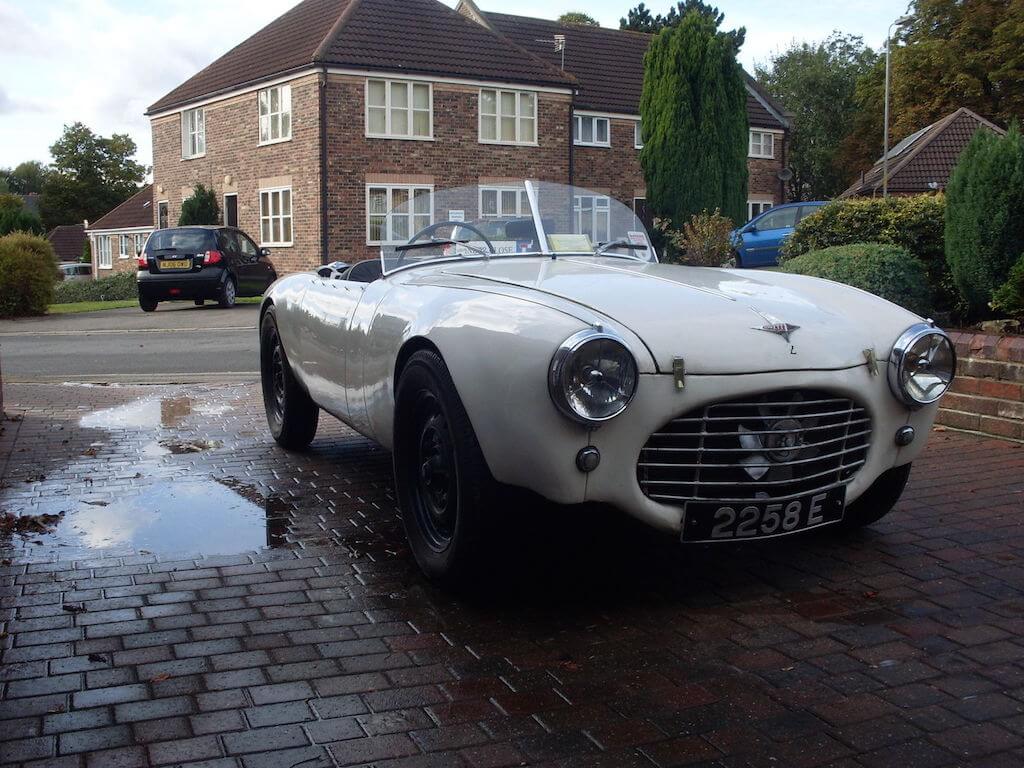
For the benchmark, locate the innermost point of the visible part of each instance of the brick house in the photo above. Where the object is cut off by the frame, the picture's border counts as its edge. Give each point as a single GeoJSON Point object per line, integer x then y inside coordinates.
{"type": "Point", "coordinates": [319, 124]}
{"type": "Point", "coordinates": [117, 237]}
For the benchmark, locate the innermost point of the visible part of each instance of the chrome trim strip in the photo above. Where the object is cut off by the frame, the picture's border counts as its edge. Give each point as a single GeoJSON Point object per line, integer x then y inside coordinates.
{"type": "Point", "coordinates": [755, 484]}
{"type": "Point", "coordinates": [747, 450]}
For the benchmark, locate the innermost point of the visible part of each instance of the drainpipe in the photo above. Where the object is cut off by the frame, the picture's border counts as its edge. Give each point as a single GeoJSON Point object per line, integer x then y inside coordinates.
{"type": "Point", "coordinates": [572, 152]}
{"type": "Point", "coordinates": [324, 234]}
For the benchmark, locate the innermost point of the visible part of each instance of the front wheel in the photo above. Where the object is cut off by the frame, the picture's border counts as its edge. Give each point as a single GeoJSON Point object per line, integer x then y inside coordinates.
{"type": "Point", "coordinates": [291, 412]}
{"type": "Point", "coordinates": [878, 500]}
{"type": "Point", "coordinates": [228, 293]}
{"type": "Point", "coordinates": [445, 490]}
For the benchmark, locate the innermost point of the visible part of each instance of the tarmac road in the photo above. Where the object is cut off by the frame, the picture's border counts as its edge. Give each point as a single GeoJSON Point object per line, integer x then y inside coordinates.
{"type": "Point", "coordinates": [177, 344]}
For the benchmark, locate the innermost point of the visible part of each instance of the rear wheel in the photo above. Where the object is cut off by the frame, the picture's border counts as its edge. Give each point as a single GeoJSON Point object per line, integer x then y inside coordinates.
{"type": "Point", "coordinates": [878, 500]}
{"type": "Point", "coordinates": [291, 413]}
{"type": "Point", "coordinates": [148, 305]}
{"type": "Point", "coordinates": [228, 293]}
{"type": "Point", "coordinates": [445, 490]}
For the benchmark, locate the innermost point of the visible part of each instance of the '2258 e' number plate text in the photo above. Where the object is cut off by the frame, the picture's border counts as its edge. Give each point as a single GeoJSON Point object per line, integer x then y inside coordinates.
{"type": "Point", "coordinates": [761, 519]}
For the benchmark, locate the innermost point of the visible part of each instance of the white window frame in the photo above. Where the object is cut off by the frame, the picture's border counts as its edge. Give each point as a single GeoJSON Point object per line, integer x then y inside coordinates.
{"type": "Point", "coordinates": [269, 119]}
{"type": "Point", "coordinates": [166, 205]}
{"type": "Point", "coordinates": [522, 201]}
{"type": "Point", "coordinates": [577, 212]}
{"type": "Point", "coordinates": [577, 131]}
{"type": "Point", "coordinates": [140, 239]}
{"type": "Point", "coordinates": [757, 207]}
{"type": "Point", "coordinates": [411, 111]}
{"type": "Point", "coordinates": [638, 136]}
{"type": "Point", "coordinates": [104, 254]}
{"type": "Point", "coordinates": [193, 133]}
{"type": "Point", "coordinates": [519, 118]}
{"type": "Point", "coordinates": [121, 241]}
{"type": "Point", "coordinates": [388, 216]}
{"type": "Point", "coordinates": [265, 215]}
{"type": "Point", "coordinates": [762, 152]}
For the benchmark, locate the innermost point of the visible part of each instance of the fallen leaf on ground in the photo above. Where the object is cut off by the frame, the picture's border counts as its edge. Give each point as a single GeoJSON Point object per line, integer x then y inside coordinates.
{"type": "Point", "coordinates": [74, 608]}
{"type": "Point", "coordinates": [160, 678]}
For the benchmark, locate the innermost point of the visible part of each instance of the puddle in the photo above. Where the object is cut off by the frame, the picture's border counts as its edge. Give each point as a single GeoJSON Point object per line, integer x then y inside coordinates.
{"type": "Point", "coordinates": [180, 447]}
{"type": "Point", "coordinates": [152, 413]}
{"type": "Point", "coordinates": [201, 516]}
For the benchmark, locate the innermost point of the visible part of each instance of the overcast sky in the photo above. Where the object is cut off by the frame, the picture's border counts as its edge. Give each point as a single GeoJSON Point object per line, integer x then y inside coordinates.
{"type": "Point", "coordinates": [102, 62]}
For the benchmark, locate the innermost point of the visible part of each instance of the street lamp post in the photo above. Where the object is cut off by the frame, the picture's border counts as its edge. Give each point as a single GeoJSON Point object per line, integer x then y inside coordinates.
{"type": "Point", "coordinates": [888, 50]}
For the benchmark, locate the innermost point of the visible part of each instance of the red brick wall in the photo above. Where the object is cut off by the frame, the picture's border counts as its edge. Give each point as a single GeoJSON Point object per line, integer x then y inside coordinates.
{"type": "Point", "coordinates": [988, 394]}
{"type": "Point", "coordinates": [454, 158]}
{"type": "Point", "coordinates": [232, 150]}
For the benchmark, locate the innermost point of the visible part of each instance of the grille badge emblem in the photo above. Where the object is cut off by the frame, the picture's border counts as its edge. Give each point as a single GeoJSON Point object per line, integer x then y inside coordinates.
{"type": "Point", "coordinates": [774, 325]}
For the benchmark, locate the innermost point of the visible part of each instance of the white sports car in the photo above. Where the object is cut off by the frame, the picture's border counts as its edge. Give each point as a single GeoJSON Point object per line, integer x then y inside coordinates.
{"type": "Point", "coordinates": [530, 338]}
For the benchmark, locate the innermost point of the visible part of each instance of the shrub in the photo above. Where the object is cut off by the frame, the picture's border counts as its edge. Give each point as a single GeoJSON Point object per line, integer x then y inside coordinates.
{"type": "Point", "coordinates": [704, 241]}
{"type": "Point", "coordinates": [915, 224]}
{"type": "Point", "coordinates": [200, 208]}
{"type": "Point", "coordinates": [113, 288]}
{"type": "Point", "coordinates": [985, 215]}
{"type": "Point", "coordinates": [28, 270]}
{"type": "Point", "coordinates": [1009, 297]}
{"type": "Point", "coordinates": [17, 220]}
{"type": "Point", "coordinates": [884, 270]}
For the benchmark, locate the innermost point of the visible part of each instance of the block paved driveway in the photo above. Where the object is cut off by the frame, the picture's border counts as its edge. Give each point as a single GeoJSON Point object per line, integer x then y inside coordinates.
{"type": "Point", "coordinates": [592, 642]}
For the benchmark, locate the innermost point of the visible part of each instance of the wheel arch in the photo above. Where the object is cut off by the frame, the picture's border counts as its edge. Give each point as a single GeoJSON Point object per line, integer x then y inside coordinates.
{"type": "Point", "coordinates": [409, 348]}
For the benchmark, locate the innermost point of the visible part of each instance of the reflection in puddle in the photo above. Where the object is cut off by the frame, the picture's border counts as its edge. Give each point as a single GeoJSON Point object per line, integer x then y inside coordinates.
{"type": "Point", "coordinates": [151, 413]}
{"type": "Point", "coordinates": [202, 517]}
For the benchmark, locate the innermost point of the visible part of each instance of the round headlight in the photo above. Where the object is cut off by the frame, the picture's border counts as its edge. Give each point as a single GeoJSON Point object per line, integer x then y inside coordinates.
{"type": "Point", "coordinates": [593, 377]}
{"type": "Point", "coordinates": [922, 365]}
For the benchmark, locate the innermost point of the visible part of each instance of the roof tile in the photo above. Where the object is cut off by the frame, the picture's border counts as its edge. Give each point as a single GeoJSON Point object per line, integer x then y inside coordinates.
{"type": "Point", "coordinates": [136, 211]}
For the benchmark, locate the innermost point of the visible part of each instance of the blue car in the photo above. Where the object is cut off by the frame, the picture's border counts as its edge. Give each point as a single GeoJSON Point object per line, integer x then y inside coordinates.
{"type": "Point", "coordinates": [757, 242]}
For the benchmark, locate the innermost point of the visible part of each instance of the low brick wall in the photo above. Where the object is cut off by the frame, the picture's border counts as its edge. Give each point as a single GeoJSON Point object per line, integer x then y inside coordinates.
{"type": "Point", "coordinates": [988, 393]}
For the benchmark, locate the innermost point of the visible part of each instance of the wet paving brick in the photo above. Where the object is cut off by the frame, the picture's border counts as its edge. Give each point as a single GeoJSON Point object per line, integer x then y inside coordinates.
{"type": "Point", "coordinates": [234, 605]}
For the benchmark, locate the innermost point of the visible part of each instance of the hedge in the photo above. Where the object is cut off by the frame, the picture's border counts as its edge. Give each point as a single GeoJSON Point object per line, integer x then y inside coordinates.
{"type": "Point", "coordinates": [28, 270]}
{"type": "Point", "coordinates": [916, 224]}
{"type": "Point", "coordinates": [884, 270]}
{"type": "Point", "coordinates": [113, 288]}
{"type": "Point", "coordinates": [1009, 297]}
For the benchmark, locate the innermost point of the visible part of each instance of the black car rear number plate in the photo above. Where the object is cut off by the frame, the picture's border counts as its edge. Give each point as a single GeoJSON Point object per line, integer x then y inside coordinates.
{"type": "Point", "coordinates": [715, 521]}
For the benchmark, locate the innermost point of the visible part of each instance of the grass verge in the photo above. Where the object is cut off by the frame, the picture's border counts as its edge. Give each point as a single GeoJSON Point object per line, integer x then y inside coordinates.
{"type": "Point", "coordinates": [89, 306]}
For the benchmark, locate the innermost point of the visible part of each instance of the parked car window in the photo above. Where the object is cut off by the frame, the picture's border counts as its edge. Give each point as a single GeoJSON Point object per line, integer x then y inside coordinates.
{"type": "Point", "coordinates": [185, 240]}
{"type": "Point", "coordinates": [807, 210]}
{"type": "Point", "coordinates": [780, 219]}
{"type": "Point", "coordinates": [246, 246]}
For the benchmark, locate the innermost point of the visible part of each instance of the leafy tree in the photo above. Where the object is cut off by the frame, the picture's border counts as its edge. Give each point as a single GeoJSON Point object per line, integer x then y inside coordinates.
{"type": "Point", "coordinates": [4, 186]}
{"type": "Point", "coordinates": [86, 252]}
{"type": "Point", "coordinates": [91, 175]}
{"type": "Point", "coordinates": [578, 18]}
{"type": "Point", "coordinates": [14, 217]}
{"type": "Point", "coordinates": [693, 107]}
{"type": "Point", "coordinates": [200, 208]}
{"type": "Point", "coordinates": [985, 215]}
{"type": "Point", "coordinates": [817, 82]}
{"type": "Point", "coordinates": [27, 178]}
{"type": "Point", "coordinates": [640, 18]}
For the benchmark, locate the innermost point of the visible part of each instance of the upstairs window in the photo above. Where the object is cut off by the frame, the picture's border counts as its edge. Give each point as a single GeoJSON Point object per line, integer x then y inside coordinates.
{"type": "Point", "coordinates": [638, 135]}
{"type": "Point", "coordinates": [396, 109]}
{"type": "Point", "coordinates": [275, 114]}
{"type": "Point", "coordinates": [762, 144]}
{"type": "Point", "coordinates": [591, 131]}
{"type": "Point", "coordinates": [508, 117]}
{"type": "Point", "coordinates": [193, 133]}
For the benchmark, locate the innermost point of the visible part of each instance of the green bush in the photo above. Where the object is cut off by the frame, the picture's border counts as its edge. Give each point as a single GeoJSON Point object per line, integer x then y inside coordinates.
{"type": "Point", "coordinates": [114, 288]}
{"type": "Point", "coordinates": [985, 215]}
{"type": "Point", "coordinates": [1009, 297]}
{"type": "Point", "coordinates": [200, 208]}
{"type": "Point", "coordinates": [884, 270]}
{"type": "Point", "coordinates": [28, 270]}
{"type": "Point", "coordinates": [705, 240]}
{"type": "Point", "coordinates": [915, 224]}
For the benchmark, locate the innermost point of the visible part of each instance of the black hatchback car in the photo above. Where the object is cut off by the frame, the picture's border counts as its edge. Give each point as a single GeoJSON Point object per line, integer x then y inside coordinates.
{"type": "Point", "coordinates": [200, 263]}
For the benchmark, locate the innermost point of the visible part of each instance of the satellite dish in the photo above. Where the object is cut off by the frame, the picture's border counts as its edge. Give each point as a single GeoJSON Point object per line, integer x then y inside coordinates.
{"type": "Point", "coordinates": [785, 174]}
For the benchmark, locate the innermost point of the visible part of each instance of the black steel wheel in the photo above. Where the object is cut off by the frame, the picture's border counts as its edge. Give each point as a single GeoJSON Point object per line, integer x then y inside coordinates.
{"type": "Point", "coordinates": [878, 500]}
{"type": "Point", "coordinates": [291, 413]}
{"type": "Point", "coordinates": [445, 489]}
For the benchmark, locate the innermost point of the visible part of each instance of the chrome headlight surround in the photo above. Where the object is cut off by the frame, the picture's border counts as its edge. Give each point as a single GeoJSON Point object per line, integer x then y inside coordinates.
{"type": "Point", "coordinates": [920, 343]}
{"type": "Point", "coordinates": [567, 392]}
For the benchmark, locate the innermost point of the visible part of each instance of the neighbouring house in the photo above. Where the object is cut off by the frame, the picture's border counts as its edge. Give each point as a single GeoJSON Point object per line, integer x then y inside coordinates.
{"type": "Point", "coordinates": [117, 238]}
{"type": "Point", "coordinates": [923, 162]}
{"type": "Point", "coordinates": [314, 128]}
{"type": "Point", "coordinates": [68, 242]}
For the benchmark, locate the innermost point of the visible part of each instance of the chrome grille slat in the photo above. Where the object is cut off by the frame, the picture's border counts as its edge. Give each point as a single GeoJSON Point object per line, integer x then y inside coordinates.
{"type": "Point", "coordinates": [754, 449]}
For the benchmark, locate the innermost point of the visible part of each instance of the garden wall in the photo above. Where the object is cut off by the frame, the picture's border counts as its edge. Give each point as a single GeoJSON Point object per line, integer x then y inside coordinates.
{"type": "Point", "coordinates": [988, 393]}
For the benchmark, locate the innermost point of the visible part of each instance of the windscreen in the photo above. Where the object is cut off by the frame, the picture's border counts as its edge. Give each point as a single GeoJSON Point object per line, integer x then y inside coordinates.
{"type": "Point", "coordinates": [418, 225]}
{"type": "Point", "coordinates": [181, 241]}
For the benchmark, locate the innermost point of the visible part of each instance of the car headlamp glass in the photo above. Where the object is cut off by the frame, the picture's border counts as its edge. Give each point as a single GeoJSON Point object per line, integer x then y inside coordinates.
{"type": "Point", "coordinates": [593, 377]}
{"type": "Point", "coordinates": [922, 365]}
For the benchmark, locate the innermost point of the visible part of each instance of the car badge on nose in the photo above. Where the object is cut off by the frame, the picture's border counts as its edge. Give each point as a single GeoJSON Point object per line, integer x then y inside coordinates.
{"type": "Point", "coordinates": [774, 325]}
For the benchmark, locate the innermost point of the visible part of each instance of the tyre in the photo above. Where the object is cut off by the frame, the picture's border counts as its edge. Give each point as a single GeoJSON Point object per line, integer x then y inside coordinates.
{"type": "Point", "coordinates": [445, 490]}
{"type": "Point", "coordinates": [199, 302]}
{"type": "Point", "coordinates": [878, 500]}
{"type": "Point", "coordinates": [228, 293]}
{"type": "Point", "coordinates": [291, 413]}
{"type": "Point", "coordinates": [148, 305]}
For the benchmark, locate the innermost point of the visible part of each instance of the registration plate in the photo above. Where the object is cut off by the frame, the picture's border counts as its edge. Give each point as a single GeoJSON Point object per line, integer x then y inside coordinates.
{"type": "Point", "coordinates": [176, 264]}
{"type": "Point", "coordinates": [714, 521]}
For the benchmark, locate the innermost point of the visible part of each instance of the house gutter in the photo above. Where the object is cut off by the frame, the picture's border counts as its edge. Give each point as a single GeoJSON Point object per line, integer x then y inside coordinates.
{"type": "Point", "coordinates": [325, 242]}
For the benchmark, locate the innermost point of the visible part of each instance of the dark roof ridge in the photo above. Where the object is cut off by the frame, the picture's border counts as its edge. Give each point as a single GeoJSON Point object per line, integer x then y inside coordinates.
{"type": "Point", "coordinates": [334, 31]}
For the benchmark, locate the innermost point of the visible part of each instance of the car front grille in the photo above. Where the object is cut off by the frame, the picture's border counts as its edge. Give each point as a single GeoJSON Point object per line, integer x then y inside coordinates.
{"type": "Point", "coordinates": [779, 445]}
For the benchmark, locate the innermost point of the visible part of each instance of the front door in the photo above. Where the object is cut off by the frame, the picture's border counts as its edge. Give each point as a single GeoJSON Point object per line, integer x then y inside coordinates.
{"type": "Point", "coordinates": [230, 210]}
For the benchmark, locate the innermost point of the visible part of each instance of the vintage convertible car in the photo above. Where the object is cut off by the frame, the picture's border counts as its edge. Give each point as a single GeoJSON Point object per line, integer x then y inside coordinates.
{"type": "Point", "coordinates": [718, 405]}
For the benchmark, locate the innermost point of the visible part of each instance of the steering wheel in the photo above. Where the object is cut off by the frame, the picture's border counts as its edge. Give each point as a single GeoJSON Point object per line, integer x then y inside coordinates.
{"type": "Point", "coordinates": [438, 225]}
